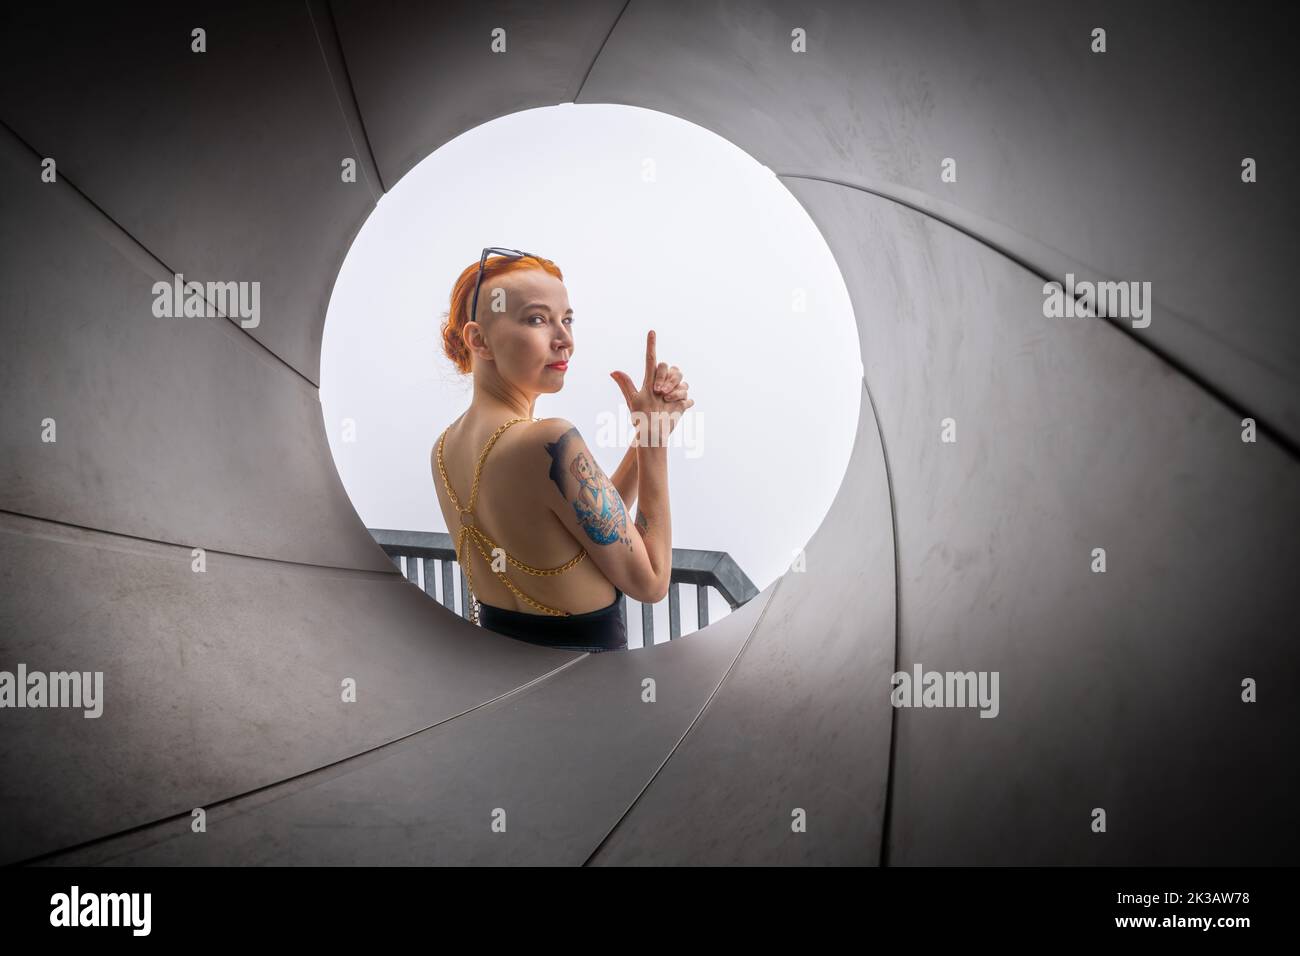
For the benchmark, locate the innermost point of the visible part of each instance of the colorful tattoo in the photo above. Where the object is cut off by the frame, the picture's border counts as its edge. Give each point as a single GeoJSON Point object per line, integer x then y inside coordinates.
{"type": "Point", "coordinates": [595, 500]}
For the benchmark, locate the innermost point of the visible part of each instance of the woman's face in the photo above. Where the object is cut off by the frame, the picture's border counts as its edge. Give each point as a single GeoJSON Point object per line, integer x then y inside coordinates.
{"type": "Point", "coordinates": [532, 333]}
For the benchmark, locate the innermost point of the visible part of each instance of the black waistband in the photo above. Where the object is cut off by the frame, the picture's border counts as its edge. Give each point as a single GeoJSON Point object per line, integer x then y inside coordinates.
{"type": "Point", "coordinates": [599, 630]}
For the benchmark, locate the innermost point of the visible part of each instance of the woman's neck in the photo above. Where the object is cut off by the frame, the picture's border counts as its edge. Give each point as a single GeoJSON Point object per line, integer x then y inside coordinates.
{"type": "Point", "coordinates": [491, 402]}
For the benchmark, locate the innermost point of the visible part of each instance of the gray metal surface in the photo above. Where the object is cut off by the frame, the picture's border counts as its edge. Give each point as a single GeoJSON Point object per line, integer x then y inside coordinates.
{"type": "Point", "coordinates": [183, 430]}
{"type": "Point", "coordinates": [215, 683]}
{"type": "Point", "coordinates": [801, 726]}
{"type": "Point", "coordinates": [423, 73]}
{"type": "Point", "coordinates": [224, 165]}
{"type": "Point", "coordinates": [557, 761]}
{"type": "Point", "coordinates": [1119, 690]}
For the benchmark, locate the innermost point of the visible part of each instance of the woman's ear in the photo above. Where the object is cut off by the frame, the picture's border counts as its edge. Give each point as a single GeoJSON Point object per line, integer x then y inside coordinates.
{"type": "Point", "coordinates": [475, 343]}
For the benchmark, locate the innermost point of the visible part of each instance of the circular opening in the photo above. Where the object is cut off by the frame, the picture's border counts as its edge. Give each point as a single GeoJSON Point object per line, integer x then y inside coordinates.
{"type": "Point", "coordinates": [656, 223]}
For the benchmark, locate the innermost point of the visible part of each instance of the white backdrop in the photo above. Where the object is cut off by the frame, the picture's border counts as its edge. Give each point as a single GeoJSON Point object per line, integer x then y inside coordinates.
{"type": "Point", "coordinates": [656, 223]}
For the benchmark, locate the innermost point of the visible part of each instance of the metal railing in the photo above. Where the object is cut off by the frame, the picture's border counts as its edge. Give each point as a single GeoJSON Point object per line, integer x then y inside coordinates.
{"type": "Point", "coordinates": [435, 551]}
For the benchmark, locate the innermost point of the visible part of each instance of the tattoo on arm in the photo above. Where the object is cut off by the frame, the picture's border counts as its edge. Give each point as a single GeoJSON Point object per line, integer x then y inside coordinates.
{"type": "Point", "coordinates": [595, 500]}
{"type": "Point", "coordinates": [642, 522]}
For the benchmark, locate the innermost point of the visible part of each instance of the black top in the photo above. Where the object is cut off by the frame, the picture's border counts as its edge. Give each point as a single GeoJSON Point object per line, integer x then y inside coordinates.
{"type": "Point", "coordinates": [594, 631]}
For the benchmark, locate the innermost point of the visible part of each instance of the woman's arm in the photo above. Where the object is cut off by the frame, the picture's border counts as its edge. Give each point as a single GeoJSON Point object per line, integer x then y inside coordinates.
{"type": "Point", "coordinates": [625, 478]}
{"type": "Point", "coordinates": [655, 409]}
{"type": "Point", "coordinates": [638, 562]}
{"type": "Point", "coordinates": [653, 518]}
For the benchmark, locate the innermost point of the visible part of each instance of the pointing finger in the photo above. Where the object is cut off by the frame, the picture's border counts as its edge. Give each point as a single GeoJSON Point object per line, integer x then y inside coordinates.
{"type": "Point", "coordinates": [649, 358]}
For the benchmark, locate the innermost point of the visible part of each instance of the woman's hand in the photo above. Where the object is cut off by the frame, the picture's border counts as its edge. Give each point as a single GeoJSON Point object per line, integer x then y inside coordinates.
{"type": "Point", "coordinates": [662, 397]}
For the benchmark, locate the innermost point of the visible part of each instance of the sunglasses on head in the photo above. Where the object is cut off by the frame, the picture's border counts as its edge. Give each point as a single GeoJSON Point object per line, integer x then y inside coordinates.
{"type": "Point", "coordinates": [482, 260]}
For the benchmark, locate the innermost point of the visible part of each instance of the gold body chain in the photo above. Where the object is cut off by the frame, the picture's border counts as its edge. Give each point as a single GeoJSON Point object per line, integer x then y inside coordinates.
{"type": "Point", "coordinates": [468, 530]}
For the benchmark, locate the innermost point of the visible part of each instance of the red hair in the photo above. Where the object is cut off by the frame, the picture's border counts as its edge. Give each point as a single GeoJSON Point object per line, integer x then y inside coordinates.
{"type": "Point", "coordinates": [462, 295]}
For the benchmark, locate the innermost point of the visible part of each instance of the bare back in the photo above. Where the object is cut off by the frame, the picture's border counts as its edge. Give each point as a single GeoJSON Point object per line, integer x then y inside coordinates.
{"type": "Point", "coordinates": [511, 510]}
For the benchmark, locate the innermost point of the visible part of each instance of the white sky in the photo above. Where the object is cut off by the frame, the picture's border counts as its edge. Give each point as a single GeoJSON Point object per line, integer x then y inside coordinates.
{"type": "Point", "coordinates": [655, 223]}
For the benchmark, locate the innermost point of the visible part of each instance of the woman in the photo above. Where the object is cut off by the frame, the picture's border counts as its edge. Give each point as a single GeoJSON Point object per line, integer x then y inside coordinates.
{"type": "Point", "coordinates": [543, 536]}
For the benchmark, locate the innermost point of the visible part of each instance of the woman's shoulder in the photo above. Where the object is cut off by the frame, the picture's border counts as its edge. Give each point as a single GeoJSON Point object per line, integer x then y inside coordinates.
{"type": "Point", "coordinates": [519, 444]}
{"type": "Point", "coordinates": [530, 440]}
{"type": "Point", "coordinates": [551, 427]}
{"type": "Point", "coordinates": [516, 445]}
{"type": "Point", "coordinates": [447, 432]}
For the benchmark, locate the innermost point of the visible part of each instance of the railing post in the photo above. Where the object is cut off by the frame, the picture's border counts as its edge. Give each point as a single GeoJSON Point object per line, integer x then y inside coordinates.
{"type": "Point", "coordinates": [448, 594]}
{"type": "Point", "coordinates": [674, 611]}
{"type": "Point", "coordinates": [647, 624]}
{"type": "Point", "coordinates": [701, 605]}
